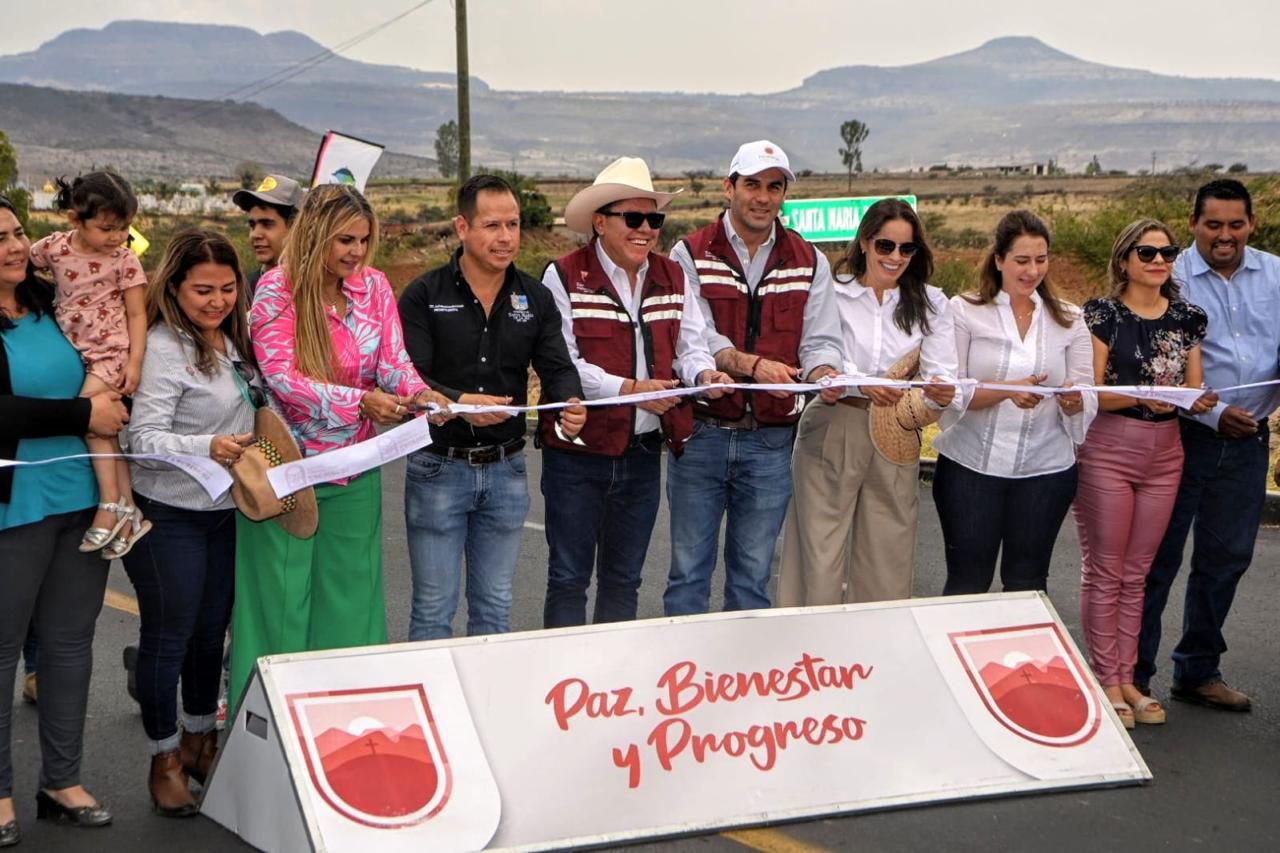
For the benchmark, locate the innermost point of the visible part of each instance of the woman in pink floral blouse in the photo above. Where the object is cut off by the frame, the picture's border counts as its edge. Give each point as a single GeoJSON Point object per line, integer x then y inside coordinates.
{"type": "Point", "coordinates": [1131, 461]}
{"type": "Point", "coordinates": [329, 342]}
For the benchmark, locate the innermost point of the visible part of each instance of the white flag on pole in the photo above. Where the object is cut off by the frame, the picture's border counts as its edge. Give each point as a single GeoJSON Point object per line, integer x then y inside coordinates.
{"type": "Point", "coordinates": [345, 159]}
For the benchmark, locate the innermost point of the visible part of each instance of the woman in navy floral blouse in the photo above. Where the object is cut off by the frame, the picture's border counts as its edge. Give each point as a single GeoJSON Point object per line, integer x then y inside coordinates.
{"type": "Point", "coordinates": [1131, 461]}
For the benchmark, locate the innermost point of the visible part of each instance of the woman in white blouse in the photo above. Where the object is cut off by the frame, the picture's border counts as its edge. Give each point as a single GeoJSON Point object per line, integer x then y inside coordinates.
{"type": "Point", "coordinates": [1006, 471]}
{"type": "Point", "coordinates": [851, 528]}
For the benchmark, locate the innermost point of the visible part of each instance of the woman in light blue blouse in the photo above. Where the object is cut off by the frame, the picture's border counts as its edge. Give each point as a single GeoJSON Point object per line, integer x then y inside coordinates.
{"type": "Point", "coordinates": [197, 396]}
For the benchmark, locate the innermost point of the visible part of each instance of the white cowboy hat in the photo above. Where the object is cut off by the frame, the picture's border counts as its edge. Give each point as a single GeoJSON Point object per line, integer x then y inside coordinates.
{"type": "Point", "coordinates": [626, 177]}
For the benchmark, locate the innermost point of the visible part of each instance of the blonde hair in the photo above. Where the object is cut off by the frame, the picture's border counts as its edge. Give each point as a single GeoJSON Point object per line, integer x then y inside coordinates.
{"type": "Point", "coordinates": [189, 249]}
{"type": "Point", "coordinates": [325, 214]}
{"type": "Point", "coordinates": [1124, 244]}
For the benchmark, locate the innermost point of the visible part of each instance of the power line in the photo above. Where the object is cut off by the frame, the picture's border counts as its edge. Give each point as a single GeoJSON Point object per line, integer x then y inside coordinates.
{"type": "Point", "coordinates": [276, 78]}
{"type": "Point", "coordinates": [321, 58]}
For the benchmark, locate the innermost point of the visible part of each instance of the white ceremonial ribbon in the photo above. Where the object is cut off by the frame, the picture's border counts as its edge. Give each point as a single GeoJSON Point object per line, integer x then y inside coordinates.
{"type": "Point", "coordinates": [404, 439]}
{"type": "Point", "coordinates": [350, 460]}
{"type": "Point", "coordinates": [211, 476]}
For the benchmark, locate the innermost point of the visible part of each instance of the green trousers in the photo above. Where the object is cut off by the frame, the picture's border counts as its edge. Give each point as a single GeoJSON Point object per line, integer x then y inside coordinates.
{"type": "Point", "coordinates": [299, 595]}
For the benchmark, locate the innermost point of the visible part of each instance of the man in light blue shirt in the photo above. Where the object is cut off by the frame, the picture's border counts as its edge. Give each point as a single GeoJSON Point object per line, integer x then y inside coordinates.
{"type": "Point", "coordinates": [1227, 449]}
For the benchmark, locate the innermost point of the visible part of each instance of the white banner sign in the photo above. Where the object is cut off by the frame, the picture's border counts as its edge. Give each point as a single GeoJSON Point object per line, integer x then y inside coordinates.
{"type": "Point", "coordinates": [594, 736]}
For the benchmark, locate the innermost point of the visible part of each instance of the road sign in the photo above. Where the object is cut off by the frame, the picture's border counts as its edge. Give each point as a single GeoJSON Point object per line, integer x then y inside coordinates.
{"type": "Point", "coordinates": [829, 220]}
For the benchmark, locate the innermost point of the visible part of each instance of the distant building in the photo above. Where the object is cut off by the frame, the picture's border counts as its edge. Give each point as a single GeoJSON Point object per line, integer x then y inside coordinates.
{"type": "Point", "coordinates": [1018, 169]}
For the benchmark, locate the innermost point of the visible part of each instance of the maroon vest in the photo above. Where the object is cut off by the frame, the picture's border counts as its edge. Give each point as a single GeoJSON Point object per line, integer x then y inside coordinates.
{"type": "Point", "coordinates": [605, 336]}
{"type": "Point", "coordinates": [768, 323]}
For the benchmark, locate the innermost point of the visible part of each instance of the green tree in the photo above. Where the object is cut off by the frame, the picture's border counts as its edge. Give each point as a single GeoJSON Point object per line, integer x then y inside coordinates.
{"type": "Point", "coordinates": [447, 149]}
{"type": "Point", "coordinates": [853, 133]}
{"type": "Point", "coordinates": [1094, 168]}
{"type": "Point", "coordinates": [249, 174]}
{"type": "Point", "coordinates": [535, 210]}
{"type": "Point", "coordinates": [1237, 168]}
{"type": "Point", "coordinates": [696, 182]}
{"type": "Point", "coordinates": [9, 180]}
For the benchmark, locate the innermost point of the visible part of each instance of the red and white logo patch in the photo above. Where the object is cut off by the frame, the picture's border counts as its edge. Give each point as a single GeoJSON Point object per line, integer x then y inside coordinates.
{"type": "Point", "coordinates": [374, 755]}
{"type": "Point", "coordinates": [1030, 682]}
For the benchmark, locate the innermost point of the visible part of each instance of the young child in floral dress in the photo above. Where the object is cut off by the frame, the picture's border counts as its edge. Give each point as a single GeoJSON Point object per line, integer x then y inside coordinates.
{"type": "Point", "coordinates": [100, 307]}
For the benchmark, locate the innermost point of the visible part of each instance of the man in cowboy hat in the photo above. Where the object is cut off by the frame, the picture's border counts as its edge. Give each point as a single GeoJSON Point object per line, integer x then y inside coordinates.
{"type": "Point", "coordinates": [474, 326]}
{"type": "Point", "coordinates": [271, 208]}
{"type": "Point", "coordinates": [628, 330]}
{"type": "Point", "coordinates": [771, 317]}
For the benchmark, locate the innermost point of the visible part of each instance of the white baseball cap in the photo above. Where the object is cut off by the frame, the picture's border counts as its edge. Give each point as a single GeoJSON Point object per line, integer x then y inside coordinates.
{"type": "Point", "coordinates": [754, 157]}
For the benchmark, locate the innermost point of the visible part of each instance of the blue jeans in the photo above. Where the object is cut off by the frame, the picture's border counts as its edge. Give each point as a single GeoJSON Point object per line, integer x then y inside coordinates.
{"type": "Point", "coordinates": [984, 515]}
{"type": "Point", "coordinates": [452, 507]}
{"type": "Point", "coordinates": [748, 473]}
{"type": "Point", "coordinates": [598, 509]}
{"type": "Point", "coordinates": [184, 574]}
{"type": "Point", "coordinates": [1224, 483]}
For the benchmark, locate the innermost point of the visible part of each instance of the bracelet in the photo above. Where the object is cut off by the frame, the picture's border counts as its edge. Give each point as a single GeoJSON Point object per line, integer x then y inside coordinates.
{"type": "Point", "coordinates": [754, 365]}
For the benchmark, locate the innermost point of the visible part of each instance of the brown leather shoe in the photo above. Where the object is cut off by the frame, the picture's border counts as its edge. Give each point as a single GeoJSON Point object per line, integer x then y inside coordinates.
{"type": "Point", "coordinates": [29, 688]}
{"type": "Point", "coordinates": [198, 752]}
{"type": "Point", "coordinates": [170, 795]}
{"type": "Point", "coordinates": [1212, 694]}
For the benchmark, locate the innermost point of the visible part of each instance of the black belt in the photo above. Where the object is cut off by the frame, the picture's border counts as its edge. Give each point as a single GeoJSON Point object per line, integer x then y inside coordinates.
{"type": "Point", "coordinates": [479, 455]}
{"type": "Point", "coordinates": [747, 421]}
{"type": "Point", "coordinates": [652, 438]}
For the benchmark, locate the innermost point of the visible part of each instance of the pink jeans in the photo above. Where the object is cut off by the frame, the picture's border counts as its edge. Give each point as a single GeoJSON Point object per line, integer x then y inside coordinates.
{"type": "Point", "coordinates": [1129, 476]}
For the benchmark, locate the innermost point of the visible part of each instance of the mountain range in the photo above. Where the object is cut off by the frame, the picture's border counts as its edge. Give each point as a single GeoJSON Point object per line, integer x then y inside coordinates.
{"type": "Point", "coordinates": [1012, 99]}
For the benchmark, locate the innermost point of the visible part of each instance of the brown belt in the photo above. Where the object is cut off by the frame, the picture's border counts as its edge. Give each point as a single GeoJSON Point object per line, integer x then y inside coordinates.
{"type": "Point", "coordinates": [856, 402]}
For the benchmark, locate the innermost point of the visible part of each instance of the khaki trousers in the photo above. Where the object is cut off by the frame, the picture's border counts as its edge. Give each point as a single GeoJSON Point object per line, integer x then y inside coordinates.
{"type": "Point", "coordinates": [851, 528]}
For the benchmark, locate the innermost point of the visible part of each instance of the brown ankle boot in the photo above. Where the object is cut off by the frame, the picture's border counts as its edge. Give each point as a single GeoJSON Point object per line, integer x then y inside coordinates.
{"type": "Point", "coordinates": [198, 752]}
{"type": "Point", "coordinates": [168, 785]}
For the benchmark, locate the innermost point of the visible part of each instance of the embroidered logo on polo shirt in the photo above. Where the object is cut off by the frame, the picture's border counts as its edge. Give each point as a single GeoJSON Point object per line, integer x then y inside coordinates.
{"type": "Point", "coordinates": [444, 309]}
{"type": "Point", "coordinates": [520, 312]}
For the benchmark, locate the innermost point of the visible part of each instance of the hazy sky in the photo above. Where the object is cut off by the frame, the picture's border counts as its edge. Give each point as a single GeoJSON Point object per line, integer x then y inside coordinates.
{"type": "Point", "coordinates": [715, 45]}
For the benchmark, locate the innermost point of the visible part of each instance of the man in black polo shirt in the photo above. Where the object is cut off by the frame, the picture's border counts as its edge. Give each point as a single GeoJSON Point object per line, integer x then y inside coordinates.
{"type": "Point", "coordinates": [472, 328]}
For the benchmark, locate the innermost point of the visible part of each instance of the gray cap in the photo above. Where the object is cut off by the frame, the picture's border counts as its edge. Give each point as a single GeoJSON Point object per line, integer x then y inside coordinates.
{"type": "Point", "coordinates": [274, 189]}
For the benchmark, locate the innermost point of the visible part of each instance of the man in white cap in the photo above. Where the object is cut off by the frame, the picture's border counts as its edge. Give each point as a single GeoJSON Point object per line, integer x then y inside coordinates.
{"type": "Point", "coordinates": [767, 299]}
{"type": "Point", "coordinates": [271, 208]}
{"type": "Point", "coordinates": [628, 330]}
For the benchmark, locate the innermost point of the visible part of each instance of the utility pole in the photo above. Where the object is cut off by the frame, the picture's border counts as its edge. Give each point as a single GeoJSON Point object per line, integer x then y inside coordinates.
{"type": "Point", "coordinates": [1153, 164]}
{"type": "Point", "coordinates": [464, 93]}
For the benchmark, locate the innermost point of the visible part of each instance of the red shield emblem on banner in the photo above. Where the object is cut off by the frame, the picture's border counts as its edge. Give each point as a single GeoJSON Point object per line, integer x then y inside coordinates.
{"type": "Point", "coordinates": [374, 755]}
{"type": "Point", "coordinates": [1031, 682]}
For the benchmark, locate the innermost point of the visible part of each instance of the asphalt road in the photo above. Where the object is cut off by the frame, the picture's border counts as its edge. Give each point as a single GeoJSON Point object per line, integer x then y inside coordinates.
{"type": "Point", "coordinates": [1216, 774]}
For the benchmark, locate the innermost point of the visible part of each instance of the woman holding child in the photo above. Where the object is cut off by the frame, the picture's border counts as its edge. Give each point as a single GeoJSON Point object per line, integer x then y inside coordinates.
{"type": "Point", "coordinates": [44, 512]}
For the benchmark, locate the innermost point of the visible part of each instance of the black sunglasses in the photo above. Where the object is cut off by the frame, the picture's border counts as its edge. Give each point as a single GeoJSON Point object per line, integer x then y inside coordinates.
{"type": "Point", "coordinates": [886, 247]}
{"type": "Point", "coordinates": [247, 376]}
{"type": "Point", "coordinates": [633, 218]}
{"type": "Point", "coordinates": [1147, 254]}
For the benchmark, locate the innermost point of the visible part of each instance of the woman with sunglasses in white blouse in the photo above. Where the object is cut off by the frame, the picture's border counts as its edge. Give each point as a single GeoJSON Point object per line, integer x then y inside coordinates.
{"type": "Point", "coordinates": [1006, 471]}
{"type": "Point", "coordinates": [851, 529]}
{"type": "Point", "coordinates": [197, 396]}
